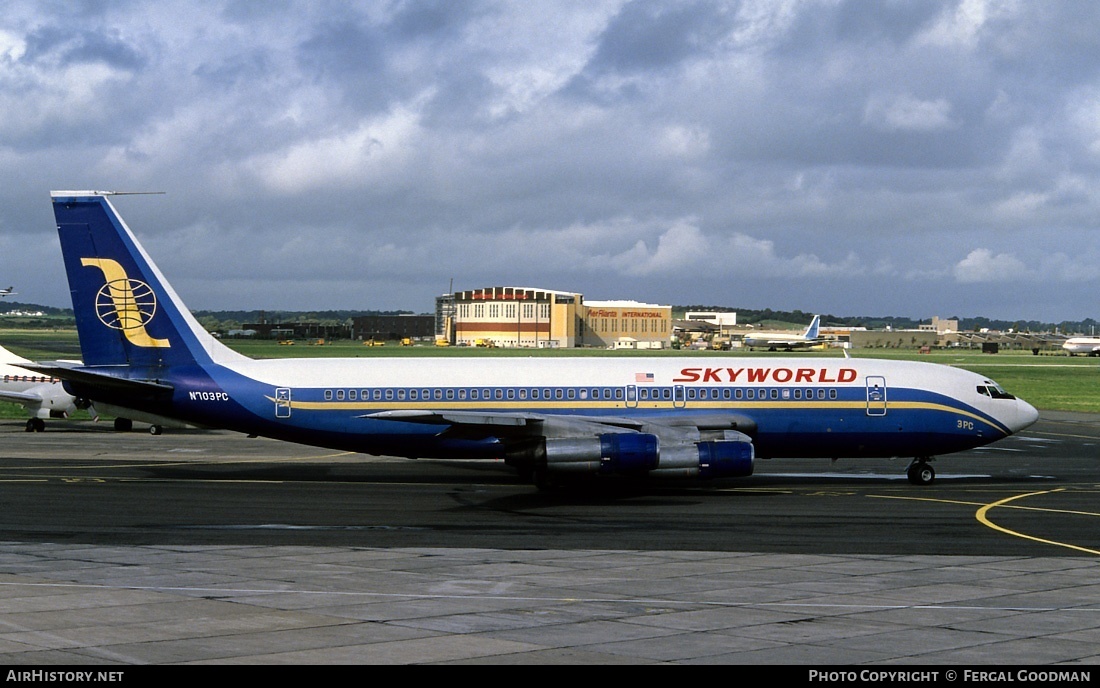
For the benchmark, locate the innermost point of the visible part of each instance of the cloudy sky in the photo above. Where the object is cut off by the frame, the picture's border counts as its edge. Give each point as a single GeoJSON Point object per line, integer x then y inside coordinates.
{"type": "Point", "coordinates": [852, 157]}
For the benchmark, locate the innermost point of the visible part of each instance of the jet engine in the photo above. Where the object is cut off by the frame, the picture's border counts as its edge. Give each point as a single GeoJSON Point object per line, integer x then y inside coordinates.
{"type": "Point", "coordinates": [731, 456]}
{"type": "Point", "coordinates": [611, 452]}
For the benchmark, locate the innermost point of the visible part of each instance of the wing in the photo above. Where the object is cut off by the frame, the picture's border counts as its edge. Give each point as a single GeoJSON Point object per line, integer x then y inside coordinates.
{"type": "Point", "coordinates": [20, 397]}
{"type": "Point", "coordinates": [707, 445]}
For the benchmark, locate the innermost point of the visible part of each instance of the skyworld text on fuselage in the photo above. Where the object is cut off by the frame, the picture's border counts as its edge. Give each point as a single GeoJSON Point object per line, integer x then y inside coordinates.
{"type": "Point", "coordinates": [776, 375]}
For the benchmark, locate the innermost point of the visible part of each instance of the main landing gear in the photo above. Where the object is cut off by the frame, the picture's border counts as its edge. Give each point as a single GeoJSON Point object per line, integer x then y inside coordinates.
{"type": "Point", "coordinates": [126, 425]}
{"type": "Point", "coordinates": [35, 425]}
{"type": "Point", "coordinates": [920, 472]}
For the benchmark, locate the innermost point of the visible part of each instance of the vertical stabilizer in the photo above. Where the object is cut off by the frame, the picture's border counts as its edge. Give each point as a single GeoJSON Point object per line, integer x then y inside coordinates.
{"type": "Point", "coordinates": [814, 329]}
{"type": "Point", "coordinates": [126, 312]}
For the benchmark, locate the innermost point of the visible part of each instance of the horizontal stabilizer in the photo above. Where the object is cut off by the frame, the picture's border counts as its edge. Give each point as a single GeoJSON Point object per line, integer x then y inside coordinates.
{"type": "Point", "coordinates": [98, 378]}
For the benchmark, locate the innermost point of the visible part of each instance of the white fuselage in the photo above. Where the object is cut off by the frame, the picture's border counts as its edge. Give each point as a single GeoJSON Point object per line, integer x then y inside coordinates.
{"type": "Point", "coordinates": [1089, 346]}
{"type": "Point", "coordinates": [42, 396]}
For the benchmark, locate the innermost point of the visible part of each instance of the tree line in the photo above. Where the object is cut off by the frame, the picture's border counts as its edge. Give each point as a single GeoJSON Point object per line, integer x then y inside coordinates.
{"type": "Point", "coordinates": [220, 321]}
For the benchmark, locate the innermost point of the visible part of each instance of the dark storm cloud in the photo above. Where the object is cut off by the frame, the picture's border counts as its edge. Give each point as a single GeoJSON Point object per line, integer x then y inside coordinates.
{"type": "Point", "coordinates": [649, 35]}
{"type": "Point", "coordinates": [64, 46]}
{"type": "Point", "coordinates": [916, 158]}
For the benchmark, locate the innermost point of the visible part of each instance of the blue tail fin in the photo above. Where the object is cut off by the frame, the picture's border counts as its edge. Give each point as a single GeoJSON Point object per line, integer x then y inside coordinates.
{"type": "Point", "coordinates": [814, 329]}
{"type": "Point", "coordinates": [126, 312]}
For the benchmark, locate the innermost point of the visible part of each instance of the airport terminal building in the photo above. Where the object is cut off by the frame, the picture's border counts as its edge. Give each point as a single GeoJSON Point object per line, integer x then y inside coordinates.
{"type": "Point", "coordinates": [544, 318]}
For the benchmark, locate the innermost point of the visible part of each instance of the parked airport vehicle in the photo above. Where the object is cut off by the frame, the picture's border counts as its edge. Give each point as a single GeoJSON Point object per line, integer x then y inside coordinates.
{"type": "Point", "coordinates": [549, 417]}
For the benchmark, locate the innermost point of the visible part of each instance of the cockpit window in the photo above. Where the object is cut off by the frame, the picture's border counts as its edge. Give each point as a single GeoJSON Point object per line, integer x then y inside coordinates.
{"type": "Point", "coordinates": [992, 389]}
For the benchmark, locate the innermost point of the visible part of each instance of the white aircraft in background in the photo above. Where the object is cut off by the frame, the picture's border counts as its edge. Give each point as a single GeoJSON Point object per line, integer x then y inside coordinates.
{"type": "Point", "coordinates": [547, 417]}
{"type": "Point", "coordinates": [1089, 346]}
{"type": "Point", "coordinates": [42, 396]}
{"type": "Point", "coordinates": [7, 292]}
{"type": "Point", "coordinates": [777, 340]}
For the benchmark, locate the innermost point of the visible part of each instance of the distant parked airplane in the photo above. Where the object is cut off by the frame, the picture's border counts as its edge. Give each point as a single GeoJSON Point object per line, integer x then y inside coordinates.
{"type": "Point", "coordinates": [1089, 346]}
{"type": "Point", "coordinates": [45, 398]}
{"type": "Point", "coordinates": [42, 396]}
{"type": "Point", "coordinates": [777, 340]}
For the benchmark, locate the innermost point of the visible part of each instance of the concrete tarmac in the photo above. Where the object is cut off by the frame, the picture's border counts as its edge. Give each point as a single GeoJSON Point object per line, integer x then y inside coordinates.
{"type": "Point", "coordinates": [84, 603]}
{"type": "Point", "coordinates": [91, 605]}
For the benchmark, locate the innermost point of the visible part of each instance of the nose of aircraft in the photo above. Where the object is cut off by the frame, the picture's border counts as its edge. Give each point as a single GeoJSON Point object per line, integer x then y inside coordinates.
{"type": "Point", "coordinates": [1026, 414]}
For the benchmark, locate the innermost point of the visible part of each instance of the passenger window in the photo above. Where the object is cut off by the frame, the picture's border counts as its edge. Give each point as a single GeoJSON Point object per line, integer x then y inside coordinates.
{"type": "Point", "coordinates": [328, 395]}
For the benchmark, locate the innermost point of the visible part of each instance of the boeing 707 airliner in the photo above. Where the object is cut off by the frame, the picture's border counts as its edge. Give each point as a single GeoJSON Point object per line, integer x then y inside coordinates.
{"type": "Point", "coordinates": [773, 341]}
{"type": "Point", "coordinates": [547, 417]}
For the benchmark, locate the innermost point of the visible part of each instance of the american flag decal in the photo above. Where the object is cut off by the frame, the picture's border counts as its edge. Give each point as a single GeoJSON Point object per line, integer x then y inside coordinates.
{"type": "Point", "coordinates": [643, 377]}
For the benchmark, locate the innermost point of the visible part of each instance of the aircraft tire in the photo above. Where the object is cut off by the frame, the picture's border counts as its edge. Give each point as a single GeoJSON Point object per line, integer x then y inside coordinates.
{"type": "Point", "coordinates": [920, 473]}
{"type": "Point", "coordinates": [155, 430]}
{"type": "Point", "coordinates": [123, 425]}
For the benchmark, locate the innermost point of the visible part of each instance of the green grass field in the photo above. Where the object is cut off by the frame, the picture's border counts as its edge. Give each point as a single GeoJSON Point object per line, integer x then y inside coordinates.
{"type": "Point", "coordinates": [1060, 383]}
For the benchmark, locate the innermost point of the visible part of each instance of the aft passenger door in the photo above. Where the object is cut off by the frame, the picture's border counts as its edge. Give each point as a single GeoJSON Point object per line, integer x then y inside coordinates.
{"type": "Point", "coordinates": [282, 402]}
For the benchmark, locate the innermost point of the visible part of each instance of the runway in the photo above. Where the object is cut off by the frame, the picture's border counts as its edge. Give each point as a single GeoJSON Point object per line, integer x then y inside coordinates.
{"type": "Point", "coordinates": [214, 548]}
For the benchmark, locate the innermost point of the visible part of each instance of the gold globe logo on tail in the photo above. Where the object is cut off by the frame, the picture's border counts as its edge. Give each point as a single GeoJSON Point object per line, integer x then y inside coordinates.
{"type": "Point", "coordinates": [125, 304]}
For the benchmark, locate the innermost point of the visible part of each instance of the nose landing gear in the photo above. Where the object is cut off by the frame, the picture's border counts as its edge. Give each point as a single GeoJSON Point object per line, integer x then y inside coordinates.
{"type": "Point", "coordinates": [920, 472]}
